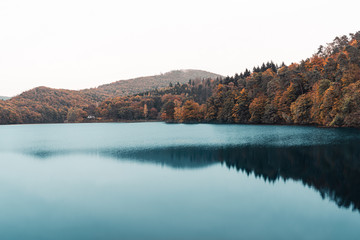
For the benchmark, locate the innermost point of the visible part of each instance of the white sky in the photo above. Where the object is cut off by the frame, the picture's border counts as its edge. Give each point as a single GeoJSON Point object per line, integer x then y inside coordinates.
{"type": "Point", "coordinates": [81, 44]}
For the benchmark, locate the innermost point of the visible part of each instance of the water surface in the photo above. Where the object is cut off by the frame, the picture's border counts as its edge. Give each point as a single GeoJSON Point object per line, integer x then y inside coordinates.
{"type": "Point", "coordinates": [174, 181]}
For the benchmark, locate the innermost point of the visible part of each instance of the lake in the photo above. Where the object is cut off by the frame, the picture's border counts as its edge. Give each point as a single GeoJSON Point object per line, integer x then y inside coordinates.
{"type": "Point", "coordinates": [178, 181]}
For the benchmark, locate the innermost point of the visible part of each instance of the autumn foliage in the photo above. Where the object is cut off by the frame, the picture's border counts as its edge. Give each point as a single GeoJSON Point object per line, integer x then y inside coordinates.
{"type": "Point", "coordinates": [323, 90]}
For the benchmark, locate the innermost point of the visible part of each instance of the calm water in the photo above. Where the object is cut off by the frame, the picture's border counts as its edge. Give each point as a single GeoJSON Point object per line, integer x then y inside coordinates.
{"type": "Point", "coordinates": [165, 181]}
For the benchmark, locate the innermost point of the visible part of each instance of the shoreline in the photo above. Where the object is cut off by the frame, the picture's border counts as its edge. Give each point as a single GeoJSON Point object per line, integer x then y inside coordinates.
{"type": "Point", "coordinates": [187, 123]}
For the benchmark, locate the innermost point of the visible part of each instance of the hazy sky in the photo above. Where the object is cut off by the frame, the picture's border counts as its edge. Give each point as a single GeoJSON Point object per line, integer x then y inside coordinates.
{"type": "Point", "coordinates": [81, 44]}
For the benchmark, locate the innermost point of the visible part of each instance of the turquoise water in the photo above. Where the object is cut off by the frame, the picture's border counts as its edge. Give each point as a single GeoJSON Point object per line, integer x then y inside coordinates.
{"type": "Point", "coordinates": [176, 181]}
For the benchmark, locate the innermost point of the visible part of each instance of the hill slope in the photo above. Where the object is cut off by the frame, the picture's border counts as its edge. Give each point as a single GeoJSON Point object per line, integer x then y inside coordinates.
{"type": "Point", "coordinates": [143, 84]}
{"type": "Point", "coordinates": [48, 105]}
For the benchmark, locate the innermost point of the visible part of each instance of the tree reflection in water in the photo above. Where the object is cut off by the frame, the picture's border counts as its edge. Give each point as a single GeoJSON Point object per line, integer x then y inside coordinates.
{"type": "Point", "coordinates": [333, 170]}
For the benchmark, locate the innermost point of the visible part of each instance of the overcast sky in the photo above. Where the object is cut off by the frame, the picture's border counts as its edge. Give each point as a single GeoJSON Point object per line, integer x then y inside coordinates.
{"type": "Point", "coordinates": [81, 44]}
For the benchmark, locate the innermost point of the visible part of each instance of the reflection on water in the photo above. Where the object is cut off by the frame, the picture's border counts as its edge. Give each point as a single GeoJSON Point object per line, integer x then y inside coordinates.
{"type": "Point", "coordinates": [103, 181]}
{"type": "Point", "coordinates": [332, 169]}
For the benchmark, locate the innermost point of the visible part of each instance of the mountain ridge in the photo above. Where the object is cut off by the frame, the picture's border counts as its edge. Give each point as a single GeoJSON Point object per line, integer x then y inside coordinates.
{"type": "Point", "coordinates": [133, 85]}
{"type": "Point", "coordinates": [147, 83]}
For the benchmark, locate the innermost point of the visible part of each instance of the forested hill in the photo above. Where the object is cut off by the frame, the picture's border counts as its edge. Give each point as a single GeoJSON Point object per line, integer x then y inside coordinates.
{"type": "Point", "coordinates": [323, 90]}
{"type": "Point", "coordinates": [4, 98]}
{"type": "Point", "coordinates": [142, 84]}
{"type": "Point", "coordinates": [48, 105]}
{"type": "Point", "coordinates": [42, 105]}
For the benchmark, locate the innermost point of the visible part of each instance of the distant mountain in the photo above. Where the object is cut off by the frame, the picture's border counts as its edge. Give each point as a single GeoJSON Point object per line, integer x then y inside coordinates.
{"type": "Point", "coordinates": [4, 98]}
{"type": "Point", "coordinates": [143, 84]}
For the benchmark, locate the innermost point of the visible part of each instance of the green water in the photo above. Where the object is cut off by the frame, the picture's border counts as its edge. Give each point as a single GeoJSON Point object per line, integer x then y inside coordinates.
{"type": "Point", "coordinates": [175, 181]}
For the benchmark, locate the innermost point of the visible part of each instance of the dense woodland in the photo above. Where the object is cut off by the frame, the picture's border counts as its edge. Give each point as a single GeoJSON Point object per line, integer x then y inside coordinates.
{"type": "Point", "coordinates": [323, 90]}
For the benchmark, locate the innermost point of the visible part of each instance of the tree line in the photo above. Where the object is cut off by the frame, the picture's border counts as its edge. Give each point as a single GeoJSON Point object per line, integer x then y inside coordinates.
{"type": "Point", "coordinates": [322, 90]}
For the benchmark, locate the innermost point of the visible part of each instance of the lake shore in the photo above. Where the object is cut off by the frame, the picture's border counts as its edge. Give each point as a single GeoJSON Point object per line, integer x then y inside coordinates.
{"type": "Point", "coordinates": [188, 123]}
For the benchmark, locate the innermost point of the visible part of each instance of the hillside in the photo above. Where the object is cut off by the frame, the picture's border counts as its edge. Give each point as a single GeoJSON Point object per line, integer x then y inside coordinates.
{"type": "Point", "coordinates": [46, 105]}
{"type": "Point", "coordinates": [4, 98]}
{"type": "Point", "coordinates": [143, 84]}
{"type": "Point", "coordinates": [54, 97]}
{"type": "Point", "coordinates": [43, 105]}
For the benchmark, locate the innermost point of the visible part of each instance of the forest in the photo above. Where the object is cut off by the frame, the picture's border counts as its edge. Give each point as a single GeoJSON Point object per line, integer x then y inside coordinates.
{"type": "Point", "coordinates": [323, 90]}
